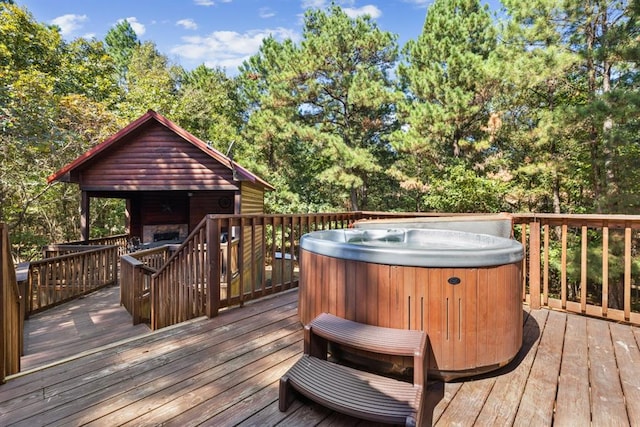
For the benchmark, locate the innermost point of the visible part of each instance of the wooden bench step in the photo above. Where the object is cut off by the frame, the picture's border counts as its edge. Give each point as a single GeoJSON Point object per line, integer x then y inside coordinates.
{"type": "Point", "coordinates": [352, 392]}
{"type": "Point", "coordinates": [377, 339]}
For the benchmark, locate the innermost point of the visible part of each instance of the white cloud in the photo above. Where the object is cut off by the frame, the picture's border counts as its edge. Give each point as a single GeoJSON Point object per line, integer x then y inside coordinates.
{"type": "Point", "coordinates": [314, 4]}
{"type": "Point", "coordinates": [265, 12]}
{"type": "Point", "coordinates": [203, 2]}
{"type": "Point", "coordinates": [347, 7]}
{"type": "Point", "coordinates": [228, 49]}
{"type": "Point", "coordinates": [188, 24]}
{"type": "Point", "coordinates": [420, 3]}
{"type": "Point", "coordinates": [138, 27]}
{"type": "Point", "coordinates": [69, 23]}
{"type": "Point", "coordinates": [371, 10]}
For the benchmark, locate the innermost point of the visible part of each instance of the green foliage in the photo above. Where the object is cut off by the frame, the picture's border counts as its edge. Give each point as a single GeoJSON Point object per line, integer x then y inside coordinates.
{"type": "Point", "coordinates": [209, 105]}
{"type": "Point", "coordinates": [151, 83]}
{"type": "Point", "coordinates": [87, 69]}
{"type": "Point", "coordinates": [447, 119]}
{"type": "Point", "coordinates": [449, 83]}
{"type": "Point", "coordinates": [561, 61]}
{"type": "Point", "coordinates": [121, 42]}
{"type": "Point", "coordinates": [459, 189]}
{"type": "Point", "coordinates": [326, 103]}
{"type": "Point", "coordinates": [535, 110]}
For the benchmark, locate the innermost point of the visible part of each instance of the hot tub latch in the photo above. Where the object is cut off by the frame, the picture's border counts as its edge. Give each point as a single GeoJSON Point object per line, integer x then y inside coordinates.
{"type": "Point", "coordinates": [454, 280]}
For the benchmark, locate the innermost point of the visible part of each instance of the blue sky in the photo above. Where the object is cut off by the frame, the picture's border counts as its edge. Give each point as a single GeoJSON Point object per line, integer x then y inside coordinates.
{"type": "Point", "coordinates": [218, 33]}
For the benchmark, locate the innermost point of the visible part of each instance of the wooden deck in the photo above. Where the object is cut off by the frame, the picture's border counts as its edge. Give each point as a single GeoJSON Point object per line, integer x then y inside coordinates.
{"type": "Point", "coordinates": [572, 370]}
{"type": "Point", "coordinates": [81, 325]}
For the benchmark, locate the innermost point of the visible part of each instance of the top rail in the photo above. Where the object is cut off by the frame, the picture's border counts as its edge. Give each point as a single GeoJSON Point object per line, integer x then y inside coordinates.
{"type": "Point", "coordinates": [120, 240]}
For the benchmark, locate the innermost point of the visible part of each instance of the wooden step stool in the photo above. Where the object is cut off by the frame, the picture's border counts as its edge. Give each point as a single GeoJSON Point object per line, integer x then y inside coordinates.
{"type": "Point", "coordinates": [351, 391]}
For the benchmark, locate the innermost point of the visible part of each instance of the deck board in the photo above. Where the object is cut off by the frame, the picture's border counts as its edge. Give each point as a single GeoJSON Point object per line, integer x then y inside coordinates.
{"type": "Point", "coordinates": [511, 380]}
{"type": "Point", "coordinates": [225, 371]}
{"type": "Point", "coordinates": [538, 400]}
{"type": "Point", "coordinates": [608, 405]}
{"type": "Point", "coordinates": [572, 402]}
{"type": "Point", "coordinates": [628, 357]}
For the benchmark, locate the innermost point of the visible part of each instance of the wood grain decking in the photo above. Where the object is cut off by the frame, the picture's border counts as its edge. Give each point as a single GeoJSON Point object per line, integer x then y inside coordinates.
{"type": "Point", "coordinates": [572, 370]}
{"type": "Point", "coordinates": [86, 323]}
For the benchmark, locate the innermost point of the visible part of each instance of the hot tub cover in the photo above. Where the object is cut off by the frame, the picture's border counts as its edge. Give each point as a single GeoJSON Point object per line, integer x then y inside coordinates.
{"type": "Point", "coordinates": [414, 247]}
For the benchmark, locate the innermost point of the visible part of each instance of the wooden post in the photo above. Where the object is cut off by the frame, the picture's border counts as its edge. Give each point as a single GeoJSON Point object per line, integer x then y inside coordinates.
{"type": "Point", "coordinates": [545, 271]}
{"type": "Point", "coordinates": [10, 317]}
{"type": "Point", "coordinates": [627, 273]}
{"type": "Point", "coordinates": [4, 371]}
{"type": "Point", "coordinates": [85, 205]}
{"type": "Point", "coordinates": [213, 266]}
{"type": "Point", "coordinates": [583, 270]}
{"type": "Point", "coordinates": [534, 264]}
{"type": "Point", "coordinates": [605, 271]}
{"type": "Point", "coordinates": [563, 267]}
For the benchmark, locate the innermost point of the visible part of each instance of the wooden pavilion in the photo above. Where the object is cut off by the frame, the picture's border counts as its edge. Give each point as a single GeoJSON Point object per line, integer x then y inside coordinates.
{"type": "Point", "coordinates": [169, 178]}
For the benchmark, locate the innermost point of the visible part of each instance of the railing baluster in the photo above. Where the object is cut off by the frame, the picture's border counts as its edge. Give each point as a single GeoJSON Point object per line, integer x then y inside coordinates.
{"type": "Point", "coordinates": [213, 272]}
{"type": "Point", "coordinates": [534, 264]}
{"type": "Point", "coordinates": [55, 280]}
{"type": "Point", "coordinates": [605, 271]}
{"type": "Point", "coordinates": [563, 267]}
{"type": "Point", "coordinates": [583, 269]}
{"type": "Point", "coordinates": [523, 241]}
{"type": "Point", "coordinates": [545, 277]}
{"type": "Point", "coordinates": [627, 273]}
{"type": "Point", "coordinates": [260, 235]}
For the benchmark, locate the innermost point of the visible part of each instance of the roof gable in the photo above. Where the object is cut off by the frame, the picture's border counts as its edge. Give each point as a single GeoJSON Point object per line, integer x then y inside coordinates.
{"type": "Point", "coordinates": [115, 148]}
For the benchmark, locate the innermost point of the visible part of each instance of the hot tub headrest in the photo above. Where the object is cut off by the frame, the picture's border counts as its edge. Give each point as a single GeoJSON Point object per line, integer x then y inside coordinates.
{"type": "Point", "coordinates": [500, 225]}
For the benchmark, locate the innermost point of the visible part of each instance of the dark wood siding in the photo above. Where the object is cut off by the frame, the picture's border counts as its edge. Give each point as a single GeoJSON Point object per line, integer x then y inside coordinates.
{"type": "Point", "coordinates": [209, 202]}
{"type": "Point", "coordinates": [155, 158]}
{"type": "Point", "coordinates": [164, 208]}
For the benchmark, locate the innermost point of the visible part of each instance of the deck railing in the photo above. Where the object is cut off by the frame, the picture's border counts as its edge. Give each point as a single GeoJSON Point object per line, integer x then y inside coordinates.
{"type": "Point", "coordinates": [136, 270]}
{"type": "Point", "coordinates": [585, 264]}
{"type": "Point", "coordinates": [11, 311]}
{"type": "Point", "coordinates": [581, 263]}
{"type": "Point", "coordinates": [120, 240]}
{"type": "Point", "coordinates": [256, 256]}
{"type": "Point", "coordinates": [52, 281]}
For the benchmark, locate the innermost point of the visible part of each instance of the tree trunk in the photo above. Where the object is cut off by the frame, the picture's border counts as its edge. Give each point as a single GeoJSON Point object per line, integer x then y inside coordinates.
{"type": "Point", "coordinates": [354, 199]}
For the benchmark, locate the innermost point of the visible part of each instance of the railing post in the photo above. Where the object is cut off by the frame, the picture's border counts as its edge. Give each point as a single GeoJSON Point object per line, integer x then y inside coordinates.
{"type": "Point", "coordinates": [213, 266]}
{"type": "Point", "coordinates": [627, 273]}
{"type": "Point", "coordinates": [153, 302]}
{"type": "Point", "coordinates": [534, 264]}
{"type": "Point", "coordinates": [10, 312]}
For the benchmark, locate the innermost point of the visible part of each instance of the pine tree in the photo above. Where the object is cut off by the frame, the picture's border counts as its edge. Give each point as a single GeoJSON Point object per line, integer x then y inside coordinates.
{"type": "Point", "coordinates": [121, 40]}
{"type": "Point", "coordinates": [332, 97]}
{"type": "Point", "coordinates": [447, 117]}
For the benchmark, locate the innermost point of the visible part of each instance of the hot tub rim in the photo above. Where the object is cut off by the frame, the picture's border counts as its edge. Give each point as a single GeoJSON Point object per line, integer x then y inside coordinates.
{"type": "Point", "coordinates": [508, 251]}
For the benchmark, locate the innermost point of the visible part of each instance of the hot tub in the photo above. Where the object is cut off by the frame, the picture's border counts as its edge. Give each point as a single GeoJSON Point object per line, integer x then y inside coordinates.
{"type": "Point", "coordinates": [463, 289]}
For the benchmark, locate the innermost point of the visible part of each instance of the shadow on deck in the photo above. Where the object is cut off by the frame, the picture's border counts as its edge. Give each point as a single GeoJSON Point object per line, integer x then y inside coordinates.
{"type": "Point", "coordinates": [572, 370]}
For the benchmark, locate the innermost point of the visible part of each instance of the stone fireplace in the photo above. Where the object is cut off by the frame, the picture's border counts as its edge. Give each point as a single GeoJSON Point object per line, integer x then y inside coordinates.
{"type": "Point", "coordinates": [164, 232]}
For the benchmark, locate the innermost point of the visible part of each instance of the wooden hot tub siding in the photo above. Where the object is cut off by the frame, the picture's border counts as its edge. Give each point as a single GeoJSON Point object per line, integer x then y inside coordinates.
{"type": "Point", "coordinates": [473, 327]}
